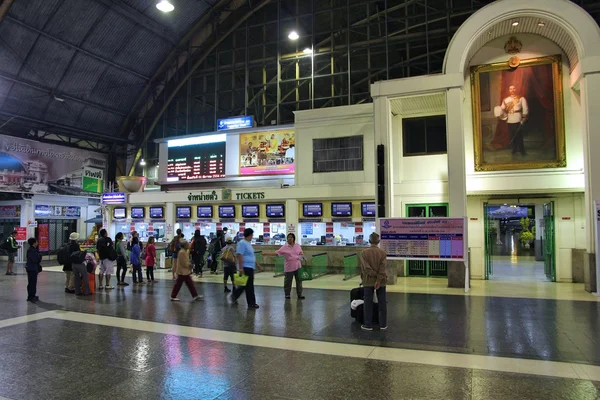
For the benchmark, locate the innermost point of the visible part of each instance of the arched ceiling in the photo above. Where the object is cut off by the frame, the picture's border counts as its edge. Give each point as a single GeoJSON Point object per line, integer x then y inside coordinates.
{"type": "Point", "coordinates": [77, 67]}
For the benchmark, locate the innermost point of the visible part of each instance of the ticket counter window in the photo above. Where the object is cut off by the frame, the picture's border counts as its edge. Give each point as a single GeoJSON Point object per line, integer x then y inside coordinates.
{"type": "Point", "coordinates": [122, 227]}
{"type": "Point", "coordinates": [278, 234]}
{"type": "Point", "coordinates": [159, 231]}
{"type": "Point", "coordinates": [344, 233]}
{"type": "Point", "coordinates": [206, 228]}
{"type": "Point", "coordinates": [142, 230]}
{"type": "Point", "coordinates": [187, 228]}
{"type": "Point", "coordinates": [312, 233]}
{"type": "Point", "coordinates": [368, 228]}
{"type": "Point", "coordinates": [258, 229]}
{"type": "Point", "coordinates": [233, 229]}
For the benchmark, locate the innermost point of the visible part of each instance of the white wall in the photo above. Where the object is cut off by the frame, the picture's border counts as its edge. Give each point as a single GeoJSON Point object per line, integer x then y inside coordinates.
{"type": "Point", "coordinates": [331, 123]}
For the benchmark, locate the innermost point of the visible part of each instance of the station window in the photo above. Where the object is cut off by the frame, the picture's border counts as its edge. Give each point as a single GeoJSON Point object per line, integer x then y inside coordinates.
{"type": "Point", "coordinates": [424, 135]}
{"type": "Point", "coordinates": [338, 154]}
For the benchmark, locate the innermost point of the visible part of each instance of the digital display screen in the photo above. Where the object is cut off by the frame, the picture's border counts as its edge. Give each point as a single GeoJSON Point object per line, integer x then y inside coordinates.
{"type": "Point", "coordinates": [197, 158]}
{"type": "Point", "coordinates": [226, 211]}
{"type": "Point", "coordinates": [205, 212]}
{"type": "Point", "coordinates": [368, 209]}
{"type": "Point", "coordinates": [184, 212]}
{"type": "Point", "coordinates": [119, 213]}
{"type": "Point", "coordinates": [156, 212]}
{"type": "Point", "coordinates": [138, 212]}
{"type": "Point", "coordinates": [250, 211]}
{"type": "Point", "coordinates": [312, 210]}
{"type": "Point", "coordinates": [341, 209]}
{"type": "Point", "coordinates": [275, 211]}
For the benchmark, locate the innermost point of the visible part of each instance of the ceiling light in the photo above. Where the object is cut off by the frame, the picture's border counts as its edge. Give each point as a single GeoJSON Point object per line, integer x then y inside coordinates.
{"type": "Point", "coordinates": [515, 23]}
{"type": "Point", "coordinates": [60, 99]}
{"type": "Point", "coordinates": [307, 51]}
{"type": "Point", "coordinates": [165, 6]}
{"type": "Point", "coordinates": [541, 24]}
{"type": "Point", "coordinates": [293, 35]}
{"type": "Point", "coordinates": [143, 162]}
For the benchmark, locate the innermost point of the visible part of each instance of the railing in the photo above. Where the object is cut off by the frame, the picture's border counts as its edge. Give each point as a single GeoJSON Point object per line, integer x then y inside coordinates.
{"type": "Point", "coordinates": [351, 266]}
{"type": "Point", "coordinates": [319, 265]}
{"type": "Point", "coordinates": [279, 266]}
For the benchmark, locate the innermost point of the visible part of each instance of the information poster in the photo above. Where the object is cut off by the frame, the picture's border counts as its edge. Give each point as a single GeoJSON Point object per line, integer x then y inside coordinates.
{"type": "Point", "coordinates": [267, 153]}
{"type": "Point", "coordinates": [423, 238]}
{"type": "Point", "coordinates": [44, 237]}
{"type": "Point", "coordinates": [21, 234]}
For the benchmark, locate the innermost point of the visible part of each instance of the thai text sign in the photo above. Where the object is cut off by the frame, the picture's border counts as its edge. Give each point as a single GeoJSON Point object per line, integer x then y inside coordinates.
{"type": "Point", "coordinates": [423, 238]}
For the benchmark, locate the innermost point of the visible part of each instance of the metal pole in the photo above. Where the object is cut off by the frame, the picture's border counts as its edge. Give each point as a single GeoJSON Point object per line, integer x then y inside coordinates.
{"type": "Point", "coordinates": [348, 50]}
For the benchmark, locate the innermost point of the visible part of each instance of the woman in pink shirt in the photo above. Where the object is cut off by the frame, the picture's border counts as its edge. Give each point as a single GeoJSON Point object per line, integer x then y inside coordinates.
{"type": "Point", "coordinates": [150, 260]}
{"type": "Point", "coordinates": [292, 252]}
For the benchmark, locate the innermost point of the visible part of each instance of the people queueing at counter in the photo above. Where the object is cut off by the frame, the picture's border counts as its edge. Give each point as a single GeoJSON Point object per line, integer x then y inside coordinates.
{"type": "Point", "coordinates": [77, 264]}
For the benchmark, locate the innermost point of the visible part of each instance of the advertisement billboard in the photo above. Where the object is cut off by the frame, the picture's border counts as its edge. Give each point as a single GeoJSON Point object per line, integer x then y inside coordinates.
{"type": "Point", "coordinates": [28, 166]}
{"type": "Point", "coordinates": [267, 153]}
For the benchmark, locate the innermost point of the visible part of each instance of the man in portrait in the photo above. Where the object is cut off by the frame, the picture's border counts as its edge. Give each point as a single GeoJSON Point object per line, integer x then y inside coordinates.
{"type": "Point", "coordinates": [515, 111]}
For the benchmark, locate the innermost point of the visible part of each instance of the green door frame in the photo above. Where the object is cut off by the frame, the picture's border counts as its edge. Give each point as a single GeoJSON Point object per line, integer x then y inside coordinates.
{"type": "Point", "coordinates": [549, 245]}
{"type": "Point", "coordinates": [488, 249]}
{"type": "Point", "coordinates": [428, 264]}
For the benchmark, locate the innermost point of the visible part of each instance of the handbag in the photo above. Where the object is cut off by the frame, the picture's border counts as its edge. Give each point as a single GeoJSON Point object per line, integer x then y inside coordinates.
{"type": "Point", "coordinates": [240, 280]}
{"type": "Point", "coordinates": [305, 274]}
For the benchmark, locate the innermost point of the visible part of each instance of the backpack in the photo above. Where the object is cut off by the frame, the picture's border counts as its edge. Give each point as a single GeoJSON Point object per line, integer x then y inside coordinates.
{"type": "Point", "coordinates": [78, 257]}
{"type": "Point", "coordinates": [215, 246]}
{"type": "Point", "coordinates": [64, 254]}
{"type": "Point", "coordinates": [199, 246]}
{"type": "Point", "coordinates": [7, 245]}
{"type": "Point", "coordinates": [228, 256]}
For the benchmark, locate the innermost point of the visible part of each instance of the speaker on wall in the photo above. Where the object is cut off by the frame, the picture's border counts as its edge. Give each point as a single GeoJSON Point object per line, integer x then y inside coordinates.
{"type": "Point", "coordinates": [381, 181]}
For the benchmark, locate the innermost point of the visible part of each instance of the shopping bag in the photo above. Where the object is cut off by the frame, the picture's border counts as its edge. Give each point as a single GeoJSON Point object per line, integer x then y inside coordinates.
{"type": "Point", "coordinates": [240, 280]}
{"type": "Point", "coordinates": [305, 274]}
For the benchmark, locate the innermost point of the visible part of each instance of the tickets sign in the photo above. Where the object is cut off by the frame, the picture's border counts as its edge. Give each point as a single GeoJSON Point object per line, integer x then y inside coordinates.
{"type": "Point", "coordinates": [423, 238]}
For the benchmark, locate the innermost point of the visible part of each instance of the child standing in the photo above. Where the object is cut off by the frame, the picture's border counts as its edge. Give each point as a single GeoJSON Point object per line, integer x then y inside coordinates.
{"type": "Point", "coordinates": [228, 259]}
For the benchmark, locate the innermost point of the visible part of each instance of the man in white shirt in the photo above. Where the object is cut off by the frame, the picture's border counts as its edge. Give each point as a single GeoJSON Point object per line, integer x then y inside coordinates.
{"type": "Point", "coordinates": [515, 111]}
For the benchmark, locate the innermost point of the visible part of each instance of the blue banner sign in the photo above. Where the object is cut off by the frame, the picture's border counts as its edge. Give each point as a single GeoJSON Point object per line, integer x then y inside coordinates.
{"type": "Point", "coordinates": [235, 123]}
{"type": "Point", "coordinates": [113, 198]}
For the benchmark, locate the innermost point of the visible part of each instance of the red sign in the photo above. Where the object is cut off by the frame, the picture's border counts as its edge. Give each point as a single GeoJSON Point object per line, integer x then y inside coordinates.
{"type": "Point", "coordinates": [44, 237]}
{"type": "Point", "coordinates": [21, 234]}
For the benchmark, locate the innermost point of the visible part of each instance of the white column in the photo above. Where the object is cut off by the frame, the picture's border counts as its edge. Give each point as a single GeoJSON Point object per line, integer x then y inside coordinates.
{"type": "Point", "coordinates": [590, 104]}
{"type": "Point", "coordinates": [383, 135]}
{"type": "Point", "coordinates": [169, 221]}
{"type": "Point", "coordinates": [291, 219]}
{"type": "Point", "coordinates": [27, 216]}
{"type": "Point", "coordinates": [457, 178]}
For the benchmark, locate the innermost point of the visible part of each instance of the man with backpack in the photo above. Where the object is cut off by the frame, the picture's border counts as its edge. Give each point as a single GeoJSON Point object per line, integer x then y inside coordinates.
{"type": "Point", "coordinates": [174, 248]}
{"type": "Point", "coordinates": [11, 247]}
{"type": "Point", "coordinates": [198, 248]}
{"type": "Point", "coordinates": [107, 254]}
{"type": "Point", "coordinates": [214, 250]}
{"type": "Point", "coordinates": [64, 258]}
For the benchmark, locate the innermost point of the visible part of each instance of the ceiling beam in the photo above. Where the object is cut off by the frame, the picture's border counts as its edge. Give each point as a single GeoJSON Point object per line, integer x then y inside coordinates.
{"type": "Point", "coordinates": [4, 7]}
{"type": "Point", "coordinates": [80, 133]}
{"type": "Point", "coordinates": [51, 92]}
{"type": "Point", "coordinates": [77, 48]}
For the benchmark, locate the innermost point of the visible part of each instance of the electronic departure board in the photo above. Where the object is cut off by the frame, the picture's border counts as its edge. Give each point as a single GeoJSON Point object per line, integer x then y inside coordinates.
{"type": "Point", "coordinates": [341, 209]}
{"type": "Point", "coordinates": [312, 210]}
{"type": "Point", "coordinates": [250, 211]}
{"type": "Point", "coordinates": [119, 213]}
{"type": "Point", "coordinates": [226, 211]}
{"type": "Point", "coordinates": [198, 158]}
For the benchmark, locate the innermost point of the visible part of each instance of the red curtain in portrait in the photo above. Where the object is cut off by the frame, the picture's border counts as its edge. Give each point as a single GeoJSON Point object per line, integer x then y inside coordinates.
{"type": "Point", "coordinates": [536, 85]}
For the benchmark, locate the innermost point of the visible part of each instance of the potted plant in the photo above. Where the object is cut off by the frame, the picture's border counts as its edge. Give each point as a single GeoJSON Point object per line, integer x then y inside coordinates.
{"type": "Point", "coordinates": [526, 237]}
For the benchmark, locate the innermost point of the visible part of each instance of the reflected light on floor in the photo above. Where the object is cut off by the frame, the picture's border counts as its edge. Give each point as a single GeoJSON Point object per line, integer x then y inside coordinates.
{"type": "Point", "coordinates": [513, 252]}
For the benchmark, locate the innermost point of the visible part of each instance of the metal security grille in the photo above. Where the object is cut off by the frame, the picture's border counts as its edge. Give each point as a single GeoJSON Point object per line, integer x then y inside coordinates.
{"type": "Point", "coordinates": [338, 154]}
{"type": "Point", "coordinates": [58, 232]}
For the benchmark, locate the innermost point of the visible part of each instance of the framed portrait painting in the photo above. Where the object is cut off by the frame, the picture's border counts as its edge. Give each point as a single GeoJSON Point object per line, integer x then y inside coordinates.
{"type": "Point", "coordinates": [518, 116]}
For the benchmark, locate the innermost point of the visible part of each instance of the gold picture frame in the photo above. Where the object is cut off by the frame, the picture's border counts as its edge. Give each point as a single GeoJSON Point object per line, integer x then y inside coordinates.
{"type": "Point", "coordinates": [529, 134]}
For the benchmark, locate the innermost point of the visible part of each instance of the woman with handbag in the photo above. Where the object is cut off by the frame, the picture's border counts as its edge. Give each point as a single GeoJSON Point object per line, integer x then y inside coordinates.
{"type": "Point", "coordinates": [33, 268]}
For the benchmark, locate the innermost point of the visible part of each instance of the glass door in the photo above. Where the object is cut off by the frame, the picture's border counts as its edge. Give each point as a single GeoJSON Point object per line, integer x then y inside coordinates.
{"type": "Point", "coordinates": [549, 246]}
{"type": "Point", "coordinates": [421, 267]}
{"type": "Point", "coordinates": [489, 246]}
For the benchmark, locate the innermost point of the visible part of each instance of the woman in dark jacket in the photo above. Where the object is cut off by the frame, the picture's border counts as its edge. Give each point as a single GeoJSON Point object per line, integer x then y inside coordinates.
{"type": "Point", "coordinates": [33, 268]}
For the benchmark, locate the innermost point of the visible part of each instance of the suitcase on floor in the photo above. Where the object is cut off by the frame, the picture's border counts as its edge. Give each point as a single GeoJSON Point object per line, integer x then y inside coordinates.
{"type": "Point", "coordinates": [359, 313]}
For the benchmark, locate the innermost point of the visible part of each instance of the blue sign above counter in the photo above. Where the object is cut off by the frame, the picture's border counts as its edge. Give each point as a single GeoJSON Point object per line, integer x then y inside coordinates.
{"type": "Point", "coordinates": [113, 198]}
{"type": "Point", "coordinates": [229, 124]}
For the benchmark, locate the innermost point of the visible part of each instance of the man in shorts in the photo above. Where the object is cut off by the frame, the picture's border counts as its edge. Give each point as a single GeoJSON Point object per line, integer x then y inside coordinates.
{"type": "Point", "coordinates": [13, 248]}
{"type": "Point", "coordinates": [107, 267]}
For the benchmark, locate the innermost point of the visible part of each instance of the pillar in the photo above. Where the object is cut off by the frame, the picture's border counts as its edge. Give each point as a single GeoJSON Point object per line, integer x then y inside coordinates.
{"type": "Point", "coordinates": [457, 178]}
{"type": "Point", "coordinates": [291, 219]}
{"type": "Point", "coordinates": [169, 221]}
{"type": "Point", "coordinates": [383, 135]}
{"type": "Point", "coordinates": [590, 104]}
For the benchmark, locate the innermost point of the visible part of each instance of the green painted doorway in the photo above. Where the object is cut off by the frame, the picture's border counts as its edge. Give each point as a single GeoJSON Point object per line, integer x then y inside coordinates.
{"type": "Point", "coordinates": [427, 268]}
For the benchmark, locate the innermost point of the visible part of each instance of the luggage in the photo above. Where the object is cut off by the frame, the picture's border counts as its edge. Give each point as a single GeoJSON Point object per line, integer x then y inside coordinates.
{"type": "Point", "coordinates": [359, 313]}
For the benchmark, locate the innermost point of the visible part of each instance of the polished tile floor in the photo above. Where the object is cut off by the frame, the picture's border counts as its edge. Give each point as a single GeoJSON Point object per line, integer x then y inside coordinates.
{"type": "Point", "coordinates": [134, 343]}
